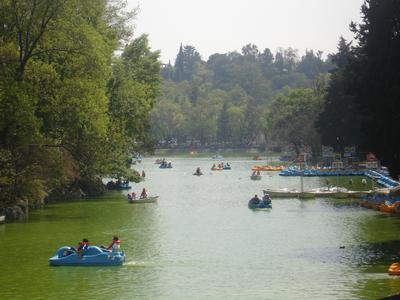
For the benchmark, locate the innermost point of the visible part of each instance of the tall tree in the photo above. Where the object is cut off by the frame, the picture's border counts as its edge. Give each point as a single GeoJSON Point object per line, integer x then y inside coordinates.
{"type": "Point", "coordinates": [179, 72]}
{"type": "Point", "coordinates": [339, 122]}
{"type": "Point", "coordinates": [375, 83]}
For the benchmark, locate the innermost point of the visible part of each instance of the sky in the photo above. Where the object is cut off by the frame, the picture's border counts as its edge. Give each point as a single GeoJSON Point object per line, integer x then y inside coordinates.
{"type": "Point", "coordinates": [221, 26]}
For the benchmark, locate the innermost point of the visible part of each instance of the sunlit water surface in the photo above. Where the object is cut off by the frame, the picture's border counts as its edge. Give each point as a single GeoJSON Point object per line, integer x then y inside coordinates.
{"type": "Point", "coordinates": [200, 241]}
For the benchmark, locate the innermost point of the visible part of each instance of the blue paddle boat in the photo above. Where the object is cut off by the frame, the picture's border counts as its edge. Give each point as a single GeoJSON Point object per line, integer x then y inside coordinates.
{"type": "Point", "coordinates": [165, 165]}
{"type": "Point", "coordinates": [265, 203]}
{"type": "Point", "coordinates": [92, 256]}
{"type": "Point", "coordinates": [111, 185]}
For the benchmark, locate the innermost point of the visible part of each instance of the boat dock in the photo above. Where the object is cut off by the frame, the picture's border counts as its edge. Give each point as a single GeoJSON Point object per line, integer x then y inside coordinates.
{"type": "Point", "coordinates": [320, 172]}
{"type": "Point", "coordinates": [329, 192]}
{"type": "Point", "coordinates": [381, 178]}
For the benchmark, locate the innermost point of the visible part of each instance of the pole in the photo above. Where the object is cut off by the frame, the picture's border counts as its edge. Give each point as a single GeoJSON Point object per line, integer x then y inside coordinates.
{"type": "Point", "coordinates": [301, 182]}
{"type": "Point", "coordinates": [301, 178]}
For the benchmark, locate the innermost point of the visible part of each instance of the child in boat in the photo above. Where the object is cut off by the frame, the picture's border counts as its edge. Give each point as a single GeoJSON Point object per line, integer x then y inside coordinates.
{"type": "Point", "coordinates": [133, 196]}
{"type": "Point", "coordinates": [143, 194]}
{"type": "Point", "coordinates": [82, 246]}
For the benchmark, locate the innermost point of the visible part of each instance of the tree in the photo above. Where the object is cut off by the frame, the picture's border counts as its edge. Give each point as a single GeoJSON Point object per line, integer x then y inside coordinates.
{"type": "Point", "coordinates": [291, 117]}
{"type": "Point", "coordinates": [60, 123]}
{"type": "Point", "coordinates": [179, 66]}
{"type": "Point", "coordinates": [375, 77]}
{"type": "Point", "coordinates": [339, 122]}
{"type": "Point", "coordinates": [267, 63]}
{"type": "Point", "coordinates": [132, 90]}
{"type": "Point", "coordinates": [185, 62]}
{"type": "Point", "coordinates": [312, 64]}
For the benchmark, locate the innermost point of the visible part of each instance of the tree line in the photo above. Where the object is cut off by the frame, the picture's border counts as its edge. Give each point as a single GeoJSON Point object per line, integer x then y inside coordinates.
{"type": "Point", "coordinates": [241, 99]}
{"type": "Point", "coordinates": [71, 110]}
{"type": "Point", "coordinates": [350, 98]}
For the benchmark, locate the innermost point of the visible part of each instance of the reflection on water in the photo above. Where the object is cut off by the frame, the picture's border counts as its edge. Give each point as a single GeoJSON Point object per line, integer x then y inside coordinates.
{"type": "Point", "coordinates": [200, 241]}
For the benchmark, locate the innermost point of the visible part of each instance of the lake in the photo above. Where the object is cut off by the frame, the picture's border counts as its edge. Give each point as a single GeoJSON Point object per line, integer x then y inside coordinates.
{"type": "Point", "coordinates": [200, 241]}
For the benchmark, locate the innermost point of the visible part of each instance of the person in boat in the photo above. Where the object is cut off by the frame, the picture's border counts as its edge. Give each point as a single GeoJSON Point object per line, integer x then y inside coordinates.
{"type": "Point", "coordinates": [258, 173]}
{"type": "Point", "coordinates": [169, 165]}
{"type": "Point", "coordinates": [255, 200]}
{"type": "Point", "coordinates": [129, 197]}
{"type": "Point", "coordinates": [267, 199]}
{"type": "Point", "coordinates": [113, 246]}
{"type": "Point", "coordinates": [72, 249]}
{"type": "Point", "coordinates": [143, 194]}
{"type": "Point", "coordinates": [254, 173]}
{"type": "Point", "coordinates": [143, 174]}
{"type": "Point", "coordinates": [213, 166]}
{"type": "Point", "coordinates": [111, 184]}
{"type": "Point", "coordinates": [133, 196]}
{"type": "Point", "coordinates": [82, 246]}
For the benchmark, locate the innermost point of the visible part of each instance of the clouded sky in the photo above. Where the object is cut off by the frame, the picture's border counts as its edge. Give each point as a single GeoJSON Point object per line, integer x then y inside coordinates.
{"type": "Point", "coordinates": [221, 26]}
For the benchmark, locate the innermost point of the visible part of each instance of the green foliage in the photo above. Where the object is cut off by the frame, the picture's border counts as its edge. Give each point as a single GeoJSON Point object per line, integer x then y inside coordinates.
{"type": "Point", "coordinates": [375, 74]}
{"type": "Point", "coordinates": [339, 122]}
{"type": "Point", "coordinates": [363, 98]}
{"type": "Point", "coordinates": [225, 99]}
{"type": "Point", "coordinates": [291, 117]}
{"type": "Point", "coordinates": [69, 111]}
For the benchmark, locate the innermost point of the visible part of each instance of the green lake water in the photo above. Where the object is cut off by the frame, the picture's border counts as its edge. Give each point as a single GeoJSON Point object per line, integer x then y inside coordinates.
{"type": "Point", "coordinates": [200, 241]}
